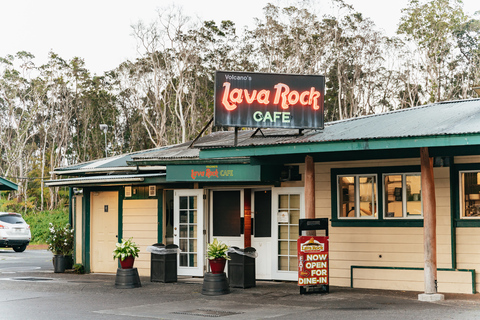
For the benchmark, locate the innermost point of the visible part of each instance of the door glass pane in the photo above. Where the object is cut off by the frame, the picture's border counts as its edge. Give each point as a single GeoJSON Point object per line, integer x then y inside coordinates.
{"type": "Point", "coordinates": [294, 216]}
{"type": "Point", "coordinates": [193, 216]}
{"type": "Point", "coordinates": [183, 260]}
{"type": "Point", "coordinates": [283, 263]}
{"type": "Point", "coordinates": [183, 202]}
{"type": "Point", "coordinates": [183, 231]}
{"type": "Point", "coordinates": [183, 245]}
{"type": "Point", "coordinates": [192, 260]}
{"type": "Point", "coordinates": [283, 232]}
{"type": "Point", "coordinates": [193, 202]}
{"type": "Point", "coordinates": [188, 231]}
{"type": "Point", "coordinates": [414, 198]}
{"type": "Point", "coordinates": [192, 245]}
{"type": "Point", "coordinates": [193, 232]}
{"type": "Point", "coordinates": [183, 216]}
{"type": "Point", "coordinates": [283, 201]}
{"type": "Point", "coordinates": [282, 247]}
{"type": "Point", "coordinates": [295, 201]}
{"type": "Point", "coordinates": [288, 232]}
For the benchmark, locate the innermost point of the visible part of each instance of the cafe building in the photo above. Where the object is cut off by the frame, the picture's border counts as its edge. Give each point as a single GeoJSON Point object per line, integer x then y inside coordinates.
{"type": "Point", "coordinates": [397, 188]}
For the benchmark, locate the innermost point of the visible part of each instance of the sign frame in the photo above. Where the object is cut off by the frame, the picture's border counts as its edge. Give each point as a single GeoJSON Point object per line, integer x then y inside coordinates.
{"type": "Point", "coordinates": [269, 100]}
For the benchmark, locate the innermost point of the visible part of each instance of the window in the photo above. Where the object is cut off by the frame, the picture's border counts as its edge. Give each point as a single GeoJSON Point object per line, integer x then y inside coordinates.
{"type": "Point", "coordinates": [357, 196]}
{"type": "Point", "coordinates": [470, 194]}
{"type": "Point", "coordinates": [402, 194]}
{"type": "Point", "coordinates": [377, 197]}
{"type": "Point", "coordinates": [226, 214]}
{"type": "Point", "coordinates": [289, 206]}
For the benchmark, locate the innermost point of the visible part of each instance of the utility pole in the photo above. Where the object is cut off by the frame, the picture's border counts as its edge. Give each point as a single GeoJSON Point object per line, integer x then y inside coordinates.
{"type": "Point", "coordinates": [104, 127]}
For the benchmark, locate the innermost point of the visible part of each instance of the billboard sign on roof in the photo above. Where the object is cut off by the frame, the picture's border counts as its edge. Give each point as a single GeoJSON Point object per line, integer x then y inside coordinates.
{"type": "Point", "coordinates": [268, 100]}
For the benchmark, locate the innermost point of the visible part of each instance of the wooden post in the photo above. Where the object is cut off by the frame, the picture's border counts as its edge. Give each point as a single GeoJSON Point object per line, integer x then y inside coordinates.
{"type": "Point", "coordinates": [429, 226]}
{"type": "Point", "coordinates": [309, 190]}
{"type": "Point", "coordinates": [247, 218]}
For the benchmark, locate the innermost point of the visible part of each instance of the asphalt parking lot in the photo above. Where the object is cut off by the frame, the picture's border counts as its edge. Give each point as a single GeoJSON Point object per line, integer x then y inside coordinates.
{"type": "Point", "coordinates": [30, 290]}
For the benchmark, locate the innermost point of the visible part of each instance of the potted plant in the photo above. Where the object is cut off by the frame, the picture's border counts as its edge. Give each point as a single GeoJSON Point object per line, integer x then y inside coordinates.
{"type": "Point", "coordinates": [126, 251]}
{"type": "Point", "coordinates": [60, 242]}
{"type": "Point", "coordinates": [217, 256]}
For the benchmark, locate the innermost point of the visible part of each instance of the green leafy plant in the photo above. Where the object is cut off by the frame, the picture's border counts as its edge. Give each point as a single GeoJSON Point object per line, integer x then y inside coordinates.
{"type": "Point", "coordinates": [78, 268]}
{"type": "Point", "coordinates": [217, 249]}
{"type": "Point", "coordinates": [125, 248]}
{"type": "Point", "coordinates": [60, 239]}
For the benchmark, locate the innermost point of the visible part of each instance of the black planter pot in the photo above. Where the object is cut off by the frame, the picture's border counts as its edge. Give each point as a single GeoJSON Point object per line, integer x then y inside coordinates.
{"type": "Point", "coordinates": [68, 262]}
{"type": "Point", "coordinates": [59, 263]}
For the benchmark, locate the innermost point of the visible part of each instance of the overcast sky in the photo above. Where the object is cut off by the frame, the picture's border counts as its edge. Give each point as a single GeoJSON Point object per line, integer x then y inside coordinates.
{"type": "Point", "coordinates": [100, 31]}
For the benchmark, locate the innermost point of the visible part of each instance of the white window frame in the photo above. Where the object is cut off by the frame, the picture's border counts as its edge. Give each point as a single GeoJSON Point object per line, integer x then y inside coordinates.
{"type": "Point", "coordinates": [357, 196]}
{"type": "Point", "coordinates": [461, 195]}
{"type": "Point", "coordinates": [404, 196]}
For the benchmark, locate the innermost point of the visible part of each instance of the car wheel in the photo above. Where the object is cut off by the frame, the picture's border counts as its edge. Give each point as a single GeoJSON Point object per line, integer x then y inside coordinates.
{"type": "Point", "coordinates": [20, 248]}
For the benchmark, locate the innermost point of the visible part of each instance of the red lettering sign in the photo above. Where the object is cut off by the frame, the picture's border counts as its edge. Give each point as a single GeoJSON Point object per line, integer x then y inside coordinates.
{"type": "Point", "coordinates": [284, 97]}
{"type": "Point", "coordinates": [312, 260]}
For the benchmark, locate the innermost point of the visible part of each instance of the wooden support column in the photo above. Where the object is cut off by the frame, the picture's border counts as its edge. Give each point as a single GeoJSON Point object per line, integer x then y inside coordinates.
{"type": "Point", "coordinates": [429, 227]}
{"type": "Point", "coordinates": [309, 190]}
{"type": "Point", "coordinates": [247, 218]}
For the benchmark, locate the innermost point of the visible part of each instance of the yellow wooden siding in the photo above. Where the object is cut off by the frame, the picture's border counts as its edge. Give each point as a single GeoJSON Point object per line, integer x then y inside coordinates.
{"type": "Point", "coordinates": [386, 247]}
{"type": "Point", "coordinates": [448, 281]}
{"type": "Point", "coordinates": [78, 229]}
{"type": "Point", "coordinates": [140, 223]}
{"type": "Point", "coordinates": [467, 159]}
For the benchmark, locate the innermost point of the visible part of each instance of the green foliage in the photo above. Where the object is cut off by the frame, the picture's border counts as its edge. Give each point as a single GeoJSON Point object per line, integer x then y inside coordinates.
{"type": "Point", "coordinates": [217, 249]}
{"type": "Point", "coordinates": [79, 268]}
{"type": "Point", "coordinates": [39, 223]}
{"type": "Point", "coordinates": [125, 248]}
{"type": "Point", "coordinates": [60, 239]}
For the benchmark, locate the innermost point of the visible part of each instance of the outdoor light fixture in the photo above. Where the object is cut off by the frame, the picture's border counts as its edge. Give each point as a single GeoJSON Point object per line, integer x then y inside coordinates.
{"type": "Point", "coordinates": [104, 127]}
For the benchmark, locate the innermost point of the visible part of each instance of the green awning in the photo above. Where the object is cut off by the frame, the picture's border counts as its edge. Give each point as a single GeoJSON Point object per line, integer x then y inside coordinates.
{"type": "Point", "coordinates": [7, 185]}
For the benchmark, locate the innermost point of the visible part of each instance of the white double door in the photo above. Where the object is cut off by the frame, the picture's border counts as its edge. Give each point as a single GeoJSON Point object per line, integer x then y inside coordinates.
{"type": "Point", "coordinates": [188, 231]}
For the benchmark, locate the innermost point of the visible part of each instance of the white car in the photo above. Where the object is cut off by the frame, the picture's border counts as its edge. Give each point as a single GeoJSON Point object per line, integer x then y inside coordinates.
{"type": "Point", "coordinates": [14, 231]}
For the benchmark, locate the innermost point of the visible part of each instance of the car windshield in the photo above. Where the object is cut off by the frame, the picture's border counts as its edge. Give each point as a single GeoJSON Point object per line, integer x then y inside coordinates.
{"type": "Point", "coordinates": [13, 219]}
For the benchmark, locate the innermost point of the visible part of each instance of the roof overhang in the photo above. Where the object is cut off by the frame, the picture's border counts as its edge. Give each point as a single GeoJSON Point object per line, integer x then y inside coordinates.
{"type": "Point", "coordinates": [7, 185]}
{"type": "Point", "coordinates": [105, 180]}
{"type": "Point", "coordinates": [346, 145]}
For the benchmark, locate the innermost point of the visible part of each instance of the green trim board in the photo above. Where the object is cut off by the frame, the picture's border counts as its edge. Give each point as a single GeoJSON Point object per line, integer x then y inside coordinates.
{"type": "Point", "coordinates": [472, 271]}
{"type": "Point", "coordinates": [86, 230]}
{"type": "Point", "coordinates": [160, 217]}
{"type": "Point", "coordinates": [347, 145]}
{"type": "Point", "coordinates": [453, 209]}
{"type": "Point", "coordinates": [379, 221]}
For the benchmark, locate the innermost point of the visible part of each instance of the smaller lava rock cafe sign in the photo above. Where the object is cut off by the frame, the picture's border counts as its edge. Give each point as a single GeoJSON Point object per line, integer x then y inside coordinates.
{"type": "Point", "coordinates": [312, 260]}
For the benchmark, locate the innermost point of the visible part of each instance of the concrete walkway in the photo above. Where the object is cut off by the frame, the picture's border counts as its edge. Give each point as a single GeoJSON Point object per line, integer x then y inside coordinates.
{"type": "Point", "coordinates": [38, 295]}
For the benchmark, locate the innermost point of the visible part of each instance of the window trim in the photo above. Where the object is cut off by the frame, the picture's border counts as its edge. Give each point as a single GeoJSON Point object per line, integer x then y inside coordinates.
{"type": "Point", "coordinates": [357, 195]}
{"type": "Point", "coordinates": [460, 197]}
{"type": "Point", "coordinates": [455, 170]}
{"type": "Point", "coordinates": [404, 195]}
{"type": "Point", "coordinates": [379, 221]}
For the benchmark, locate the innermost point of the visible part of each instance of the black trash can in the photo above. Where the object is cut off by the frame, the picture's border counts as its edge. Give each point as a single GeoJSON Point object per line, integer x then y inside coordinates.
{"type": "Point", "coordinates": [241, 267]}
{"type": "Point", "coordinates": [163, 265]}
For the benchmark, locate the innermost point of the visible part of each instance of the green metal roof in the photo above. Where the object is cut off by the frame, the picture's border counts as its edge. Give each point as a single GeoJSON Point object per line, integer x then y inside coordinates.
{"type": "Point", "coordinates": [7, 185]}
{"type": "Point", "coordinates": [445, 124]}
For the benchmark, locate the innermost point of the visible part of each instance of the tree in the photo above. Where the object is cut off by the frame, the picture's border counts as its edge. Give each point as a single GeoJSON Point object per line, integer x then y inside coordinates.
{"type": "Point", "coordinates": [431, 26]}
